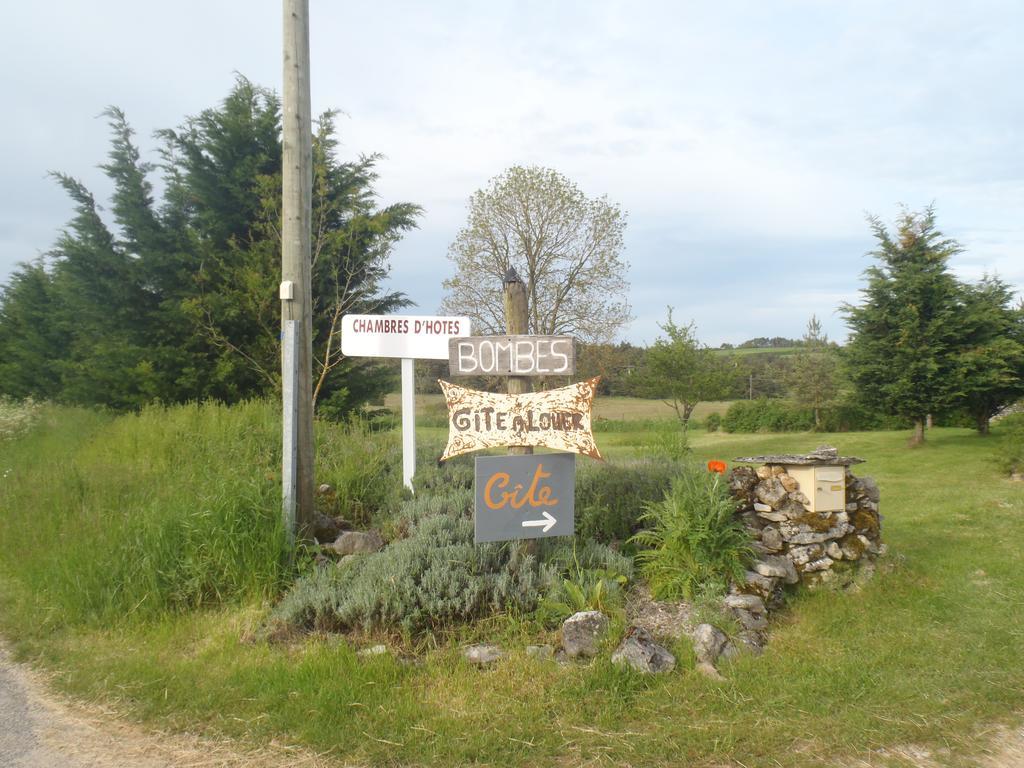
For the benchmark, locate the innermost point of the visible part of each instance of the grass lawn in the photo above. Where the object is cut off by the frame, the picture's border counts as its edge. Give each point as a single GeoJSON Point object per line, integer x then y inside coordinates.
{"type": "Point", "coordinates": [928, 653]}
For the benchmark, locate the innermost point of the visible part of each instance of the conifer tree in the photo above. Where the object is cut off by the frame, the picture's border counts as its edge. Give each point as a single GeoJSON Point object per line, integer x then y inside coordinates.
{"type": "Point", "coordinates": [906, 335]}
{"type": "Point", "coordinates": [991, 363]}
{"type": "Point", "coordinates": [175, 299]}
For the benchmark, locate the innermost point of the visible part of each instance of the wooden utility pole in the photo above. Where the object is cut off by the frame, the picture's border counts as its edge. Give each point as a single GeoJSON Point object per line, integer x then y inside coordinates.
{"type": "Point", "coordinates": [296, 298]}
{"type": "Point", "coordinates": [517, 322]}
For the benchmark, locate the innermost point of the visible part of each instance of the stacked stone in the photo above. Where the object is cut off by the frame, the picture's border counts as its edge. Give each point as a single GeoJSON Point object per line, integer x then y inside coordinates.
{"type": "Point", "coordinates": [793, 544]}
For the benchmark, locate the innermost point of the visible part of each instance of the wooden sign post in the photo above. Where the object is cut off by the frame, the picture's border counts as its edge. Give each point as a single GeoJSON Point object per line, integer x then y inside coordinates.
{"type": "Point", "coordinates": [517, 321]}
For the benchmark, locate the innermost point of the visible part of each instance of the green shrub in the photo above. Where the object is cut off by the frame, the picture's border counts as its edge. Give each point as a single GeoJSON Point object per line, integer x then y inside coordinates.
{"type": "Point", "coordinates": [713, 422]}
{"type": "Point", "coordinates": [854, 416]}
{"type": "Point", "coordinates": [1011, 452]}
{"type": "Point", "coordinates": [673, 445]}
{"type": "Point", "coordinates": [610, 497]}
{"type": "Point", "coordinates": [585, 577]}
{"type": "Point", "coordinates": [693, 543]}
{"type": "Point", "coordinates": [433, 577]}
{"type": "Point", "coordinates": [765, 415]}
{"type": "Point", "coordinates": [433, 476]}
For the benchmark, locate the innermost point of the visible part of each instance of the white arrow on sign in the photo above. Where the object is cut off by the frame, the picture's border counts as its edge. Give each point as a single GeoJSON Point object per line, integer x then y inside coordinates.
{"type": "Point", "coordinates": [547, 522]}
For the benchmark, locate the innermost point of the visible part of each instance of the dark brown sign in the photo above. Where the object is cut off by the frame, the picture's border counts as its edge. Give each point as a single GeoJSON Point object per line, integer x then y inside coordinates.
{"type": "Point", "coordinates": [512, 356]}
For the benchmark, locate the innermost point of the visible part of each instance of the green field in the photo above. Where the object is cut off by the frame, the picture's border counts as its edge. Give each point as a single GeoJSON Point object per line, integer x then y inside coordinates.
{"type": "Point", "coordinates": [431, 407]}
{"type": "Point", "coordinates": [102, 516]}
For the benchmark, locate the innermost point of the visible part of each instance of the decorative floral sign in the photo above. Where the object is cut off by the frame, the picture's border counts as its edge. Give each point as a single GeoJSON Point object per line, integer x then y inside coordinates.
{"type": "Point", "coordinates": [559, 419]}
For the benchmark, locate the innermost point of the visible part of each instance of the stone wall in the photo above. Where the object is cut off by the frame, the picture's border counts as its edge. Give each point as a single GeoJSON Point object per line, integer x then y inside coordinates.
{"type": "Point", "coordinates": [797, 546]}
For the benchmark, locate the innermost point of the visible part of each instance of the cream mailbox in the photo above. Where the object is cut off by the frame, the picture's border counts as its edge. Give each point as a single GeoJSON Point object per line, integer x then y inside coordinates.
{"type": "Point", "coordinates": [821, 475]}
{"type": "Point", "coordinates": [824, 485]}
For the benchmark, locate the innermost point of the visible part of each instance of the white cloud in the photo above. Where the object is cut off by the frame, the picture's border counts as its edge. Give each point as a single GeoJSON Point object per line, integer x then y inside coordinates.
{"type": "Point", "coordinates": [749, 136]}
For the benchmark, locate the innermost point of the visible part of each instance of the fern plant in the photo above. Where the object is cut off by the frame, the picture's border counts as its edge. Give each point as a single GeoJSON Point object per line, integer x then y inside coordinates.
{"type": "Point", "coordinates": [593, 580]}
{"type": "Point", "coordinates": [692, 544]}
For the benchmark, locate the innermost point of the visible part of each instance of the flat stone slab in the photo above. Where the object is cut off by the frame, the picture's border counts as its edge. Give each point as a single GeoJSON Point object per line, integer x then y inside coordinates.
{"type": "Point", "coordinates": [824, 455]}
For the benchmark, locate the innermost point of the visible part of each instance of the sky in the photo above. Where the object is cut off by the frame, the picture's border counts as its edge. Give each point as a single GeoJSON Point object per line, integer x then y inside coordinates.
{"type": "Point", "coordinates": [747, 141]}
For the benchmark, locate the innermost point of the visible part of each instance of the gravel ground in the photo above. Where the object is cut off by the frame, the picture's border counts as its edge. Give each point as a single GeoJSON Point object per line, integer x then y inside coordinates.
{"type": "Point", "coordinates": [40, 730]}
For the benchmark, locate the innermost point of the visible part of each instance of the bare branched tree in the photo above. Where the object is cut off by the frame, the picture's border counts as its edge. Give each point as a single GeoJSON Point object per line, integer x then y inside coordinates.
{"type": "Point", "coordinates": [567, 248]}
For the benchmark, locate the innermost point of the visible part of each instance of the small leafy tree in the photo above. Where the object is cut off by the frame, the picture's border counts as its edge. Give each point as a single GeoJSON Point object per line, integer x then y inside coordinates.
{"type": "Point", "coordinates": [682, 371]}
{"type": "Point", "coordinates": [814, 372]}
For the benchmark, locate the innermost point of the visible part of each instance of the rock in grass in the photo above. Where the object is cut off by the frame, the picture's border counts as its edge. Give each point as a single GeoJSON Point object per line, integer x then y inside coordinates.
{"type": "Point", "coordinates": [708, 643]}
{"type": "Point", "coordinates": [751, 621]}
{"type": "Point", "coordinates": [482, 655]}
{"type": "Point", "coordinates": [752, 640]}
{"type": "Point", "coordinates": [582, 633]}
{"type": "Point", "coordinates": [540, 651]}
{"type": "Point", "coordinates": [325, 528]}
{"type": "Point", "coordinates": [357, 543]}
{"type": "Point", "coordinates": [373, 650]}
{"type": "Point", "coordinates": [639, 651]}
{"type": "Point", "coordinates": [709, 671]}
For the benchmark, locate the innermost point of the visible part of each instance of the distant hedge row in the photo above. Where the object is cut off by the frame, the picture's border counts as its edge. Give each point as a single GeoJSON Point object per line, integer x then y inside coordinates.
{"type": "Point", "coordinates": [772, 415]}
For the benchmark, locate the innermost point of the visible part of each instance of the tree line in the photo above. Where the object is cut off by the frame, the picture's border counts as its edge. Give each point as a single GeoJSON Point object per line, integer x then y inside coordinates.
{"type": "Point", "coordinates": [922, 344]}
{"type": "Point", "coordinates": [172, 297]}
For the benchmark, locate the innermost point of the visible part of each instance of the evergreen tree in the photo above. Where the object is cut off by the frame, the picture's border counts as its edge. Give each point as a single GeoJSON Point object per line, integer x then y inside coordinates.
{"type": "Point", "coordinates": [30, 347]}
{"type": "Point", "coordinates": [991, 363]}
{"type": "Point", "coordinates": [906, 334]}
{"type": "Point", "coordinates": [176, 299]}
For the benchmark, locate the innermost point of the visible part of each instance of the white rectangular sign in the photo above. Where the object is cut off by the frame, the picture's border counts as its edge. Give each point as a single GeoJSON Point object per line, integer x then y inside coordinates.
{"type": "Point", "coordinates": [421, 337]}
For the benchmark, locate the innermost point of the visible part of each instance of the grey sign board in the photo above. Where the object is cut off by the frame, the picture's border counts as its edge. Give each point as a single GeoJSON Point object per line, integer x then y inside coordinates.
{"type": "Point", "coordinates": [512, 356]}
{"type": "Point", "coordinates": [524, 497]}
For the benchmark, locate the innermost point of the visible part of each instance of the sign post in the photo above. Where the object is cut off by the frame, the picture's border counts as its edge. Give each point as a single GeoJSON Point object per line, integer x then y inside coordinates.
{"type": "Point", "coordinates": [408, 421]}
{"type": "Point", "coordinates": [410, 338]}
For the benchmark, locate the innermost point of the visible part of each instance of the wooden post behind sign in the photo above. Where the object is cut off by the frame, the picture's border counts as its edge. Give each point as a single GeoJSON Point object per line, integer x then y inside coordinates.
{"type": "Point", "coordinates": [297, 186]}
{"type": "Point", "coordinates": [517, 321]}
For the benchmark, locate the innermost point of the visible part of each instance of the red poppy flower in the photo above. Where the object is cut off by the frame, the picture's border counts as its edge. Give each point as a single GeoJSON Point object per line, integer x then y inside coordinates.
{"type": "Point", "coordinates": [716, 466]}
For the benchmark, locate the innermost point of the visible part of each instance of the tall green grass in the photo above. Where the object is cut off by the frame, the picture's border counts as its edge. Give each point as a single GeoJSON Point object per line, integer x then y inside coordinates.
{"type": "Point", "coordinates": [925, 654]}
{"type": "Point", "coordinates": [174, 508]}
